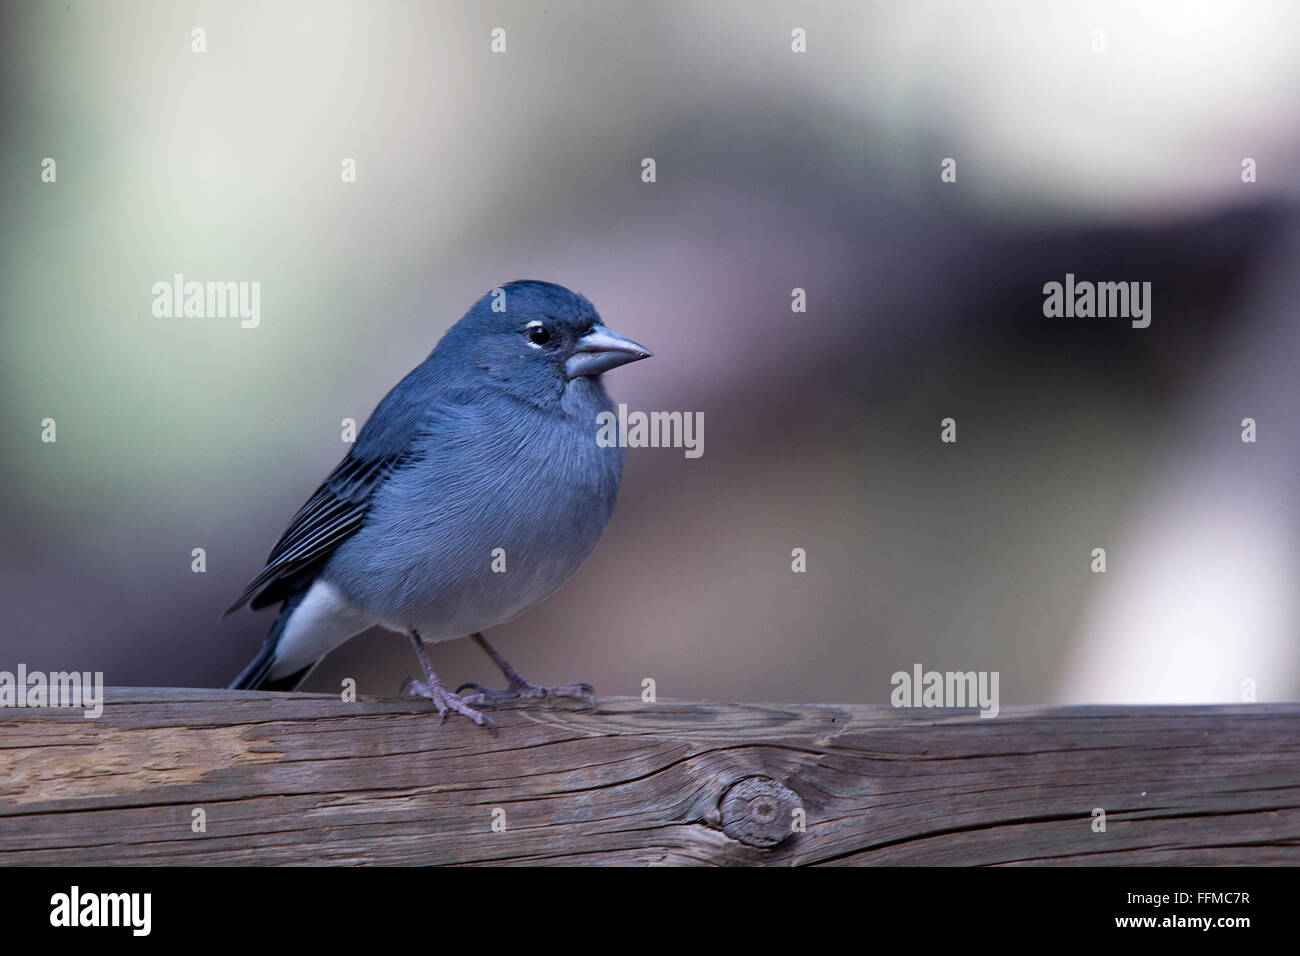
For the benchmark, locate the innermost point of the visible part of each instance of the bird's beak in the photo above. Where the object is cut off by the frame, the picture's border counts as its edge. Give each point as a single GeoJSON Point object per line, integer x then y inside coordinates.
{"type": "Point", "coordinates": [601, 350]}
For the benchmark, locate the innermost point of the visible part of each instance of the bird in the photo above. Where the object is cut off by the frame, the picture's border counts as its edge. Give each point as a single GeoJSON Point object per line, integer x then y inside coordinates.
{"type": "Point", "coordinates": [474, 490]}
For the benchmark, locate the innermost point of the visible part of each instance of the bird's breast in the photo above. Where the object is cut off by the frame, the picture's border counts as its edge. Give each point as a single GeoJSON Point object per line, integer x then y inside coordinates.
{"type": "Point", "coordinates": [484, 525]}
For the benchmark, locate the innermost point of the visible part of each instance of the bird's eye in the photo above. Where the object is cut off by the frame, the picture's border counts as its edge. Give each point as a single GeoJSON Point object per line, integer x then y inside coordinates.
{"type": "Point", "coordinates": [538, 334]}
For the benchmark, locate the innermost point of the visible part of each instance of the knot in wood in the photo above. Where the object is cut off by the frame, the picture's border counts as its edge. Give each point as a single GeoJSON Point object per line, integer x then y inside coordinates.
{"type": "Point", "coordinates": [759, 811]}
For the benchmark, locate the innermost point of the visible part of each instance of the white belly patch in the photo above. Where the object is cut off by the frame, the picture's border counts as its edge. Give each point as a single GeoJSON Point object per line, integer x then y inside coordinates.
{"type": "Point", "coordinates": [322, 622]}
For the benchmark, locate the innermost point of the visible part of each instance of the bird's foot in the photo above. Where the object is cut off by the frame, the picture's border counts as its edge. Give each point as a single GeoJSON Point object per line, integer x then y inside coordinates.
{"type": "Point", "coordinates": [445, 700]}
{"type": "Point", "coordinates": [521, 689]}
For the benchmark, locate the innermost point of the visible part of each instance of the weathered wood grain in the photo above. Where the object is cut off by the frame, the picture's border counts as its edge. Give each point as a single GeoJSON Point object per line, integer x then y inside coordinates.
{"type": "Point", "coordinates": [308, 779]}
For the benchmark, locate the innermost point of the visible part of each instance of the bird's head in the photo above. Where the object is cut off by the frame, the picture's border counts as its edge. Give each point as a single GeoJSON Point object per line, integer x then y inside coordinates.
{"type": "Point", "coordinates": [538, 337]}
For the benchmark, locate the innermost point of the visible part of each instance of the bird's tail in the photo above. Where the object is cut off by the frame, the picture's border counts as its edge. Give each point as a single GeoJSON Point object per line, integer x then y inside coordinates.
{"type": "Point", "coordinates": [256, 676]}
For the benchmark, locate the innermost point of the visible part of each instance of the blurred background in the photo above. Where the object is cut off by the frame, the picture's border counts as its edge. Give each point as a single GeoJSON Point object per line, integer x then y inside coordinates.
{"type": "Point", "coordinates": [1115, 155]}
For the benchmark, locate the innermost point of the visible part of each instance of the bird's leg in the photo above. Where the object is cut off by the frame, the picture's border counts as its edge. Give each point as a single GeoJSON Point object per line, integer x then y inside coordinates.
{"type": "Point", "coordinates": [517, 686]}
{"type": "Point", "coordinates": [432, 688]}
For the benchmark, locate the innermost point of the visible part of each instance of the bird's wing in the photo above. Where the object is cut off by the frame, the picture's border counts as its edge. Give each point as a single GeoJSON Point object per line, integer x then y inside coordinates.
{"type": "Point", "coordinates": [339, 505]}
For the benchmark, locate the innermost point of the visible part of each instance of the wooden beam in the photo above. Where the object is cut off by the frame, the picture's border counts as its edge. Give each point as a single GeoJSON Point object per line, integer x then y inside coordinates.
{"type": "Point", "coordinates": [308, 779]}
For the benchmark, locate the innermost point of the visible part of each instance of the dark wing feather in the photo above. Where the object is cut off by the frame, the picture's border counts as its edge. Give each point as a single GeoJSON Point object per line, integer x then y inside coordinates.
{"type": "Point", "coordinates": [339, 505]}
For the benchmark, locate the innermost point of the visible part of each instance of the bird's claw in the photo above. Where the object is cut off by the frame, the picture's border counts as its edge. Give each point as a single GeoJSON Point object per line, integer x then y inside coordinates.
{"type": "Point", "coordinates": [524, 690]}
{"type": "Point", "coordinates": [445, 701]}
